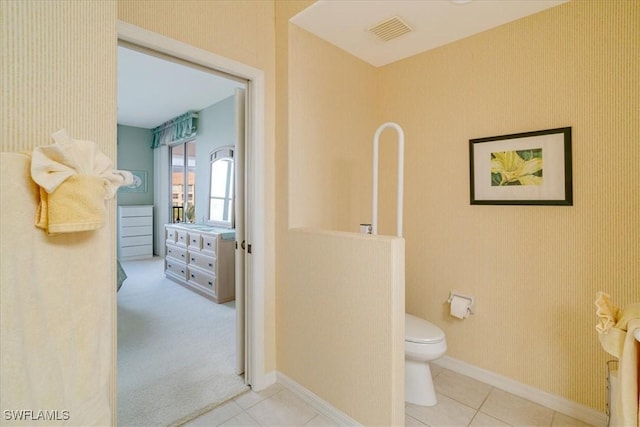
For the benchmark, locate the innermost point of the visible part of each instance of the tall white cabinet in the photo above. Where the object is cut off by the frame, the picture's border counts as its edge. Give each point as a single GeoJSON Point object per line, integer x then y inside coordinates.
{"type": "Point", "coordinates": [135, 232]}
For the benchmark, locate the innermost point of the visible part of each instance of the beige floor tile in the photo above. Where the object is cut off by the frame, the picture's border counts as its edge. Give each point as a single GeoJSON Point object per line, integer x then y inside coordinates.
{"type": "Point", "coordinates": [484, 420]}
{"type": "Point", "coordinates": [447, 412]}
{"type": "Point", "coordinates": [561, 420]}
{"type": "Point", "coordinates": [250, 398]}
{"type": "Point", "coordinates": [321, 421]}
{"type": "Point", "coordinates": [515, 410]}
{"type": "Point", "coordinates": [409, 421]}
{"type": "Point", "coordinates": [461, 388]}
{"type": "Point", "coordinates": [241, 420]}
{"type": "Point", "coordinates": [282, 409]}
{"type": "Point", "coordinates": [216, 416]}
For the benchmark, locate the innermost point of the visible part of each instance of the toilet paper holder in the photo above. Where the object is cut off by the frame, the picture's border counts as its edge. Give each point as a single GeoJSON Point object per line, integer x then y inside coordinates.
{"type": "Point", "coordinates": [470, 298]}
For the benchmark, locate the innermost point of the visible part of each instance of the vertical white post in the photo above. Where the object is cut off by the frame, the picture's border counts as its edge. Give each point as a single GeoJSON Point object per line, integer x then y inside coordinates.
{"type": "Point", "coordinates": [376, 146]}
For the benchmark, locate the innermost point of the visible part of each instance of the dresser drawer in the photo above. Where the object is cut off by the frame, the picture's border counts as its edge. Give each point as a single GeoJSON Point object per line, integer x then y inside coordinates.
{"type": "Point", "coordinates": [209, 243]}
{"type": "Point", "coordinates": [177, 253]}
{"type": "Point", "coordinates": [172, 235]}
{"type": "Point", "coordinates": [195, 241]}
{"type": "Point", "coordinates": [141, 230]}
{"type": "Point", "coordinates": [129, 211]}
{"type": "Point", "coordinates": [135, 252]}
{"type": "Point", "coordinates": [199, 277]}
{"type": "Point", "coordinates": [136, 241]}
{"type": "Point", "coordinates": [177, 268]}
{"type": "Point", "coordinates": [134, 221]}
{"type": "Point", "coordinates": [182, 237]}
{"type": "Point", "coordinates": [203, 261]}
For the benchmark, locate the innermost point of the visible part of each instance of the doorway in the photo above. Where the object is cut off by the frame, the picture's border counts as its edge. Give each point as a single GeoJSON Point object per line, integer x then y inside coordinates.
{"type": "Point", "coordinates": [254, 284]}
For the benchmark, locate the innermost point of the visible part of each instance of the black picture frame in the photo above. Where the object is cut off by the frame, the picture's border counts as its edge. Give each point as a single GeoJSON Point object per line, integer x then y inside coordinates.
{"type": "Point", "coordinates": [529, 168]}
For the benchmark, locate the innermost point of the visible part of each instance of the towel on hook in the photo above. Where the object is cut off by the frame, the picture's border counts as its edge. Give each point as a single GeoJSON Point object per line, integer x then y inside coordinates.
{"type": "Point", "coordinates": [75, 178]}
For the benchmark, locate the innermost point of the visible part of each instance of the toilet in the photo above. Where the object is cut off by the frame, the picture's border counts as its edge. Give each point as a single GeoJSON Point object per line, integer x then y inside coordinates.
{"type": "Point", "coordinates": [423, 343]}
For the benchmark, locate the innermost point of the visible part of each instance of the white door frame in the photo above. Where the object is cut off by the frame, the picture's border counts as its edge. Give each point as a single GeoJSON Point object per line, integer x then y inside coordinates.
{"type": "Point", "coordinates": [255, 351]}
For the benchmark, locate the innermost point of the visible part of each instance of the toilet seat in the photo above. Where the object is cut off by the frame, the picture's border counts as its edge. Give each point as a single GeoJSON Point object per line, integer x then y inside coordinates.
{"type": "Point", "coordinates": [420, 331]}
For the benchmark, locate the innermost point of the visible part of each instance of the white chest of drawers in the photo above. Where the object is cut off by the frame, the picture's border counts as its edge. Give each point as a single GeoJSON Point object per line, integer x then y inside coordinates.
{"type": "Point", "coordinates": [203, 261]}
{"type": "Point", "coordinates": [135, 232]}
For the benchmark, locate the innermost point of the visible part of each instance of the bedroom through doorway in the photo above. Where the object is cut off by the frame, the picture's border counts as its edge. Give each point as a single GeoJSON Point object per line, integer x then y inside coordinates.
{"type": "Point", "coordinates": [173, 341]}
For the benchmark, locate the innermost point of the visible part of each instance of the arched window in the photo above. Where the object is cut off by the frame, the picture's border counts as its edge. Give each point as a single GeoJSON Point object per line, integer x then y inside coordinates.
{"type": "Point", "coordinates": [221, 188]}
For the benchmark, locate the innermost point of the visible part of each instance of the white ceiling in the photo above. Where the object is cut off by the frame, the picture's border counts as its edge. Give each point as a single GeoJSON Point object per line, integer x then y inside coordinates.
{"type": "Point", "coordinates": [345, 23]}
{"type": "Point", "coordinates": [153, 90]}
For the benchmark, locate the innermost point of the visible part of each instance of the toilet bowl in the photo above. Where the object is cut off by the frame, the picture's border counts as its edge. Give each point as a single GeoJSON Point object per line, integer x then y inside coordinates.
{"type": "Point", "coordinates": [423, 343]}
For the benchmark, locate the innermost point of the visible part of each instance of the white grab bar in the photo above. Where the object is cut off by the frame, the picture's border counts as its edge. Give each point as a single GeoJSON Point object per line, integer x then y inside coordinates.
{"type": "Point", "coordinates": [376, 146]}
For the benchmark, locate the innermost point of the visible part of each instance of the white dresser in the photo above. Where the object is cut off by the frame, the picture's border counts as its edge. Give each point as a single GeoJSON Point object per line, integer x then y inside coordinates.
{"type": "Point", "coordinates": [135, 232]}
{"type": "Point", "coordinates": [202, 259]}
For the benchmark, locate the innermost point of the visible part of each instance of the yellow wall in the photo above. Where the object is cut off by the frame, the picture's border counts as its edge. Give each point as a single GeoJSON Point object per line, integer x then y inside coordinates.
{"type": "Point", "coordinates": [58, 70]}
{"type": "Point", "coordinates": [243, 31]}
{"type": "Point", "coordinates": [332, 103]}
{"type": "Point", "coordinates": [341, 322]}
{"type": "Point", "coordinates": [350, 284]}
{"type": "Point", "coordinates": [534, 270]}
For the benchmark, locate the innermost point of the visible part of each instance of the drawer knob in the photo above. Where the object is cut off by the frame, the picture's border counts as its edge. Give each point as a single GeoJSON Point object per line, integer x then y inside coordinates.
{"type": "Point", "coordinates": [193, 276]}
{"type": "Point", "coordinates": [210, 265]}
{"type": "Point", "coordinates": [210, 283]}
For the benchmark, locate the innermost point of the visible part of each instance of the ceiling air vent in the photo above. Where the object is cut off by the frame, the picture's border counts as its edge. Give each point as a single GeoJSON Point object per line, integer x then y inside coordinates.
{"type": "Point", "coordinates": [390, 29]}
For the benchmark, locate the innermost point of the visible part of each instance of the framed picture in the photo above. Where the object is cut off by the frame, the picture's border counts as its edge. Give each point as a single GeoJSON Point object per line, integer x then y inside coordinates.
{"type": "Point", "coordinates": [531, 168]}
{"type": "Point", "coordinates": [139, 183]}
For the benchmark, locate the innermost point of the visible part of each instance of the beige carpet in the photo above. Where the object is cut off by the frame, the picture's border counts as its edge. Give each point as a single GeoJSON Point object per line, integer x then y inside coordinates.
{"type": "Point", "coordinates": [176, 349]}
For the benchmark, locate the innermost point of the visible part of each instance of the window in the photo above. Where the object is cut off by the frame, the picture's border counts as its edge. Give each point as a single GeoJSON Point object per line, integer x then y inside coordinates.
{"type": "Point", "coordinates": [183, 181]}
{"type": "Point", "coordinates": [221, 188]}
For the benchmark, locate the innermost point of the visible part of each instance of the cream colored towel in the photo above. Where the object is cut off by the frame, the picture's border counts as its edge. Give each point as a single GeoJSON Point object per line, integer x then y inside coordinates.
{"type": "Point", "coordinates": [616, 334]}
{"type": "Point", "coordinates": [606, 311]}
{"type": "Point", "coordinates": [611, 338]}
{"type": "Point", "coordinates": [57, 296]}
{"type": "Point", "coordinates": [75, 178]}
{"type": "Point", "coordinates": [628, 405]}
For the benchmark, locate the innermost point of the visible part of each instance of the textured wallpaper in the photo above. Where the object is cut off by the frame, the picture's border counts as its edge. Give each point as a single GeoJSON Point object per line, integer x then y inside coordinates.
{"type": "Point", "coordinates": [534, 270]}
{"type": "Point", "coordinates": [58, 70]}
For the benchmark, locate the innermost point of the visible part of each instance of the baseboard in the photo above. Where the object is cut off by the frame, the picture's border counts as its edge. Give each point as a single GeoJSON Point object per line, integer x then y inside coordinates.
{"type": "Point", "coordinates": [551, 401]}
{"type": "Point", "coordinates": [320, 405]}
{"type": "Point", "coordinates": [260, 382]}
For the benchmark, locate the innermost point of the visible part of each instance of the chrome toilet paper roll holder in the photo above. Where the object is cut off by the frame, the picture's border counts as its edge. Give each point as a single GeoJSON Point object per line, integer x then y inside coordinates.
{"type": "Point", "coordinates": [470, 298]}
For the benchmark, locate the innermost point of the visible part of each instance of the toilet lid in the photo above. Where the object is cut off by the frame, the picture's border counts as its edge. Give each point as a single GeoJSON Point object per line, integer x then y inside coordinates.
{"type": "Point", "coordinates": [420, 331]}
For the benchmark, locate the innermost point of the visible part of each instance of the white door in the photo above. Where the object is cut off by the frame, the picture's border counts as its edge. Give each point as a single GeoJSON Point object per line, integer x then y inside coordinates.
{"type": "Point", "coordinates": [240, 225]}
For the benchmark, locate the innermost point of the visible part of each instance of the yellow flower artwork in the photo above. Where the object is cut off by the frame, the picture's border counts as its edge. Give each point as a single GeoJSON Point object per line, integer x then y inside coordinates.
{"type": "Point", "coordinates": [522, 167]}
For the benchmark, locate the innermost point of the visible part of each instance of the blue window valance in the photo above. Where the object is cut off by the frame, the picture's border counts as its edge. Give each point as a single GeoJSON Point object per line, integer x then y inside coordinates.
{"type": "Point", "coordinates": [177, 129]}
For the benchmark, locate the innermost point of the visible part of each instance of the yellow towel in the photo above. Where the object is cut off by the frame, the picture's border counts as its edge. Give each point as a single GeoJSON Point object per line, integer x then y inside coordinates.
{"type": "Point", "coordinates": [74, 178]}
{"type": "Point", "coordinates": [628, 405]}
{"type": "Point", "coordinates": [613, 339]}
{"type": "Point", "coordinates": [77, 205]}
{"type": "Point", "coordinates": [606, 311]}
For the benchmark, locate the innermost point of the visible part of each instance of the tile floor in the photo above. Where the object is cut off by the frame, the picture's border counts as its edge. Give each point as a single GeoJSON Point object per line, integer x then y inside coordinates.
{"type": "Point", "coordinates": [462, 401]}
